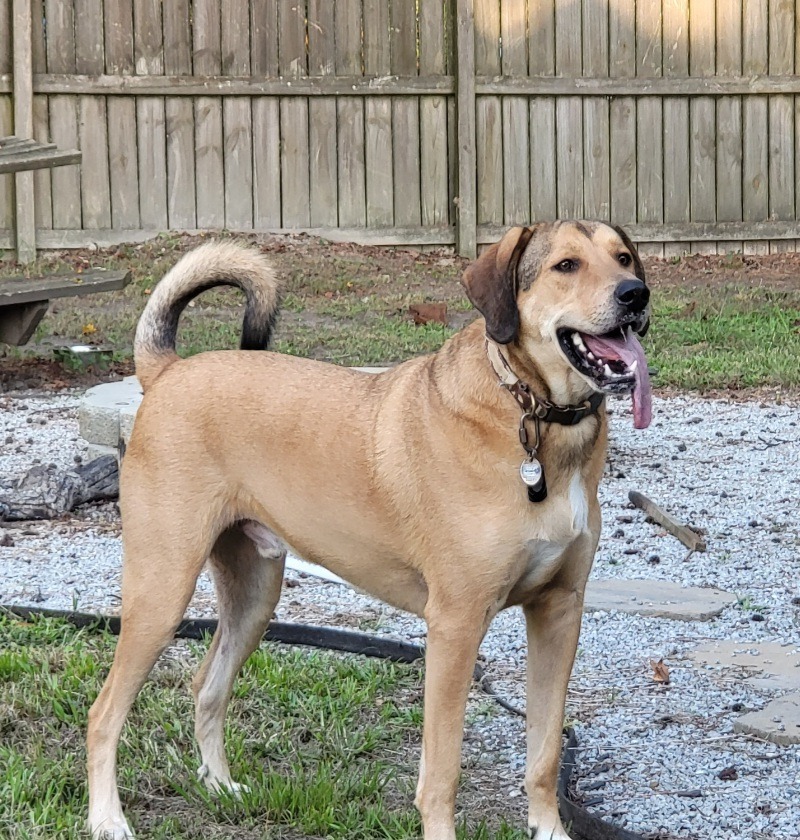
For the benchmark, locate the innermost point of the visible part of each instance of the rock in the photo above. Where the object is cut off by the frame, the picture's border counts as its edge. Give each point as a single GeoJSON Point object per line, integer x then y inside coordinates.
{"type": "Point", "coordinates": [661, 599]}
{"type": "Point", "coordinates": [778, 721]}
{"type": "Point", "coordinates": [771, 665]}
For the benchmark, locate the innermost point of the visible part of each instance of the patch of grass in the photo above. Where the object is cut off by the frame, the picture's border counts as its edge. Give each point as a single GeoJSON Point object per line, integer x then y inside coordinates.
{"type": "Point", "coordinates": [328, 744]}
{"type": "Point", "coordinates": [725, 337]}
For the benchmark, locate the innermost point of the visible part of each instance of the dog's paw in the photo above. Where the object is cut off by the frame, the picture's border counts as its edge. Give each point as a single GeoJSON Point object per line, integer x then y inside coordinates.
{"type": "Point", "coordinates": [110, 829]}
{"type": "Point", "coordinates": [549, 831]}
{"type": "Point", "coordinates": [220, 785]}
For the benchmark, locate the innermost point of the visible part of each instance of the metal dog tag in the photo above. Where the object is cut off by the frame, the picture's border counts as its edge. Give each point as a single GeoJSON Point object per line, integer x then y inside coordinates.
{"type": "Point", "coordinates": [532, 475]}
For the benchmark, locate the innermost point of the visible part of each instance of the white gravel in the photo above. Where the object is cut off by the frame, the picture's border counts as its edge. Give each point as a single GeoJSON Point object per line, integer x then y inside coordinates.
{"type": "Point", "coordinates": [728, 467]}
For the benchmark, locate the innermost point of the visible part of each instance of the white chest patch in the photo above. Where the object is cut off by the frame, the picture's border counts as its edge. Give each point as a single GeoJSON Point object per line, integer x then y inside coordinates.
{"type": "Point", "coordinates": [578, 503]}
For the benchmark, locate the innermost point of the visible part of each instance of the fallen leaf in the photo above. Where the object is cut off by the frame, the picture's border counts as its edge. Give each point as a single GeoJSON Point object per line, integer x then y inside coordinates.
{"type": "Point", "coordinates": [660, 671]}
{"type": "Point", "coordinates": [89, 329]}
{"type": "Point", "coordinates": [729, 774]}
{"type": "Point", "coordinates": [426, 313]}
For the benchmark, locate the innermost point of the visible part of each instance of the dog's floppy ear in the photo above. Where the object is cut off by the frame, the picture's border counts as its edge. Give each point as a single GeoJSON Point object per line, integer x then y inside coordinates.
{"type": "Point", "coordinates": [491, 284]}
{"type": "Point", "coordinates": [638, 268]}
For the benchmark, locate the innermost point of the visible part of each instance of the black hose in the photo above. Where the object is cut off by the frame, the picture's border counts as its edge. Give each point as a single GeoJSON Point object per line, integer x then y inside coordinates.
{"type": "Point", "coordinates": [583, 824]}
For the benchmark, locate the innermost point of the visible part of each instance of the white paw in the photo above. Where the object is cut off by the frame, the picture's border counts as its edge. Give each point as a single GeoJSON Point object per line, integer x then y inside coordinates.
{"type": "Point", "coordinates": [218, 784]}
{"type": "Point", "coordinates": [115, 828]}
{"type": "Point", "coordinates": [548, 830]}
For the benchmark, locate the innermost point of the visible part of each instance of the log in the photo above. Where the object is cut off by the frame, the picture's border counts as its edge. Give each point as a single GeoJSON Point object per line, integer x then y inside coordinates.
{"type": "Point", "coordinates": [691, 539]}
{"type": "Point", "coordinates": [45, 492]}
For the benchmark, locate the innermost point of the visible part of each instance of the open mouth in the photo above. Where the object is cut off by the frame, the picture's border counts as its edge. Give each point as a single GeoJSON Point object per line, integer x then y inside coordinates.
{"type": "Point", "coordinates": [614, 362]}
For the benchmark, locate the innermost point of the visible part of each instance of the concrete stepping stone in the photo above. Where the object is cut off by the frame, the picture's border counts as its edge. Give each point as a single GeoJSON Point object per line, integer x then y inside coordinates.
{"type": "Point", "coordinates": [656, 598]}
{"type": "Point", "coordinates": [778, 721]}
{"type": "Point", "coordinates": [771, 665]}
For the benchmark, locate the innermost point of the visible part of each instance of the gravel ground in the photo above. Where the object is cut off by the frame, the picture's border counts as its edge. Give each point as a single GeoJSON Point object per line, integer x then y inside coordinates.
{"type": "Point", "coordinates": [651, 754]}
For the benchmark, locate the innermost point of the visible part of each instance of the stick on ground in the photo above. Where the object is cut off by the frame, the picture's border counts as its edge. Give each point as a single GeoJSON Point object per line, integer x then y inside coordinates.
{"type": "Point", "coordinates": [692, 540]}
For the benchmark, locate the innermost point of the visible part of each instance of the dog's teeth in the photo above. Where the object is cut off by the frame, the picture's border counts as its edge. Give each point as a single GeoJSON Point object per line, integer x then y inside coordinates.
{"type": "Point", "coordinates": [590, 356]}
{"type": "Point", "coordinates": [578, 342]}
{"type": "Point", "coordinates": [633, 365]}
{"type": "Point", "coordinates": [608, 372]}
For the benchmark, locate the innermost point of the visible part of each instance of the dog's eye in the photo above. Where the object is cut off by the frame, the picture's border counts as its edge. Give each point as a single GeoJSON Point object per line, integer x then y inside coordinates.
{"type": "Point", "coordinates": [566, 266]}
{"type": "Point", "coordinates": [624, 259]}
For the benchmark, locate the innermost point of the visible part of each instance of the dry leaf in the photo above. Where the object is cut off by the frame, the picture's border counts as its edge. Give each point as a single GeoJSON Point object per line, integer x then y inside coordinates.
{"type": "Point", "coordinates": [660, 671]}
{"type": "Point", "coordinates": [89, 329]}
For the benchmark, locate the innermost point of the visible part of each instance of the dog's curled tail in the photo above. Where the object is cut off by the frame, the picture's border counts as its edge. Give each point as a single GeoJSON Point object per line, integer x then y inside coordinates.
{"type": "Point", "coordinates": [210, 265]}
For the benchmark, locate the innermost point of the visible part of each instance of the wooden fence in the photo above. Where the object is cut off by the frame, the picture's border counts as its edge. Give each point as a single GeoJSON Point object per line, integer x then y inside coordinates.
{"type": "Point", "coordinates": [411, 121]}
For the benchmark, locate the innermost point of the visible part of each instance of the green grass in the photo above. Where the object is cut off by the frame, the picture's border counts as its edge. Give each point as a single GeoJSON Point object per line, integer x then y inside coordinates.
{"type": "Point", "coordinates": [726, 337]}
{"type": "Point", "coordinates": [328, 744]}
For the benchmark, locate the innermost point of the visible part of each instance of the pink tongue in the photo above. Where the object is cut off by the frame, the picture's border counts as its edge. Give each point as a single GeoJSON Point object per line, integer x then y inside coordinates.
{"type": "Point", "coordinates": [629, 351]}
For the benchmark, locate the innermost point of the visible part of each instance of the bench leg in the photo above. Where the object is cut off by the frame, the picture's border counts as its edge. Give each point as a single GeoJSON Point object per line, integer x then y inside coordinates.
{"type": "Point", "coordinates": [17, 322]}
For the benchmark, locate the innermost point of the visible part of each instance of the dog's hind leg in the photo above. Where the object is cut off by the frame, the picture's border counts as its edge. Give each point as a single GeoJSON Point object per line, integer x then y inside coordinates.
{"type": "Point", "coordinates": [248, 583]}
{"type": "Point", "coordinates": [156, 588]}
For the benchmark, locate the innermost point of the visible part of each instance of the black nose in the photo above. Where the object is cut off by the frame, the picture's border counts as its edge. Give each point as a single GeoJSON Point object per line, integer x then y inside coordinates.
{"type": "Point", "coordinates": [632, 294]}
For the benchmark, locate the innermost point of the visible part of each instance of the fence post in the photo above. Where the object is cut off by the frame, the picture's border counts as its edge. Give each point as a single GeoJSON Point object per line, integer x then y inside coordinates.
{"type": "Point", "coordinates": [22, 53]}
{"type": "Point", "coordinates": [466, 210]}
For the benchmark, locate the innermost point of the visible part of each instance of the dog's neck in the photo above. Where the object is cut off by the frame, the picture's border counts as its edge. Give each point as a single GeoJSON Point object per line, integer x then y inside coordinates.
{"type": "Point", "coordinates": [536, 396]}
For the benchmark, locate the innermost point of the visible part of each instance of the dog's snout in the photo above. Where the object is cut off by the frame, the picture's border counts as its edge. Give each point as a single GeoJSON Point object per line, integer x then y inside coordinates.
{"type": "Point", "coordinates": [632, 294]}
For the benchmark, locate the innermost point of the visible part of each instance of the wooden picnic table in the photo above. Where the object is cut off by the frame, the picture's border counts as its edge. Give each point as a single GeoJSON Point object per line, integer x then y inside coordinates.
{"type": "Point", "coordinates": [19, 155]}
{"type": "Point", "coordinates": [24, 300]}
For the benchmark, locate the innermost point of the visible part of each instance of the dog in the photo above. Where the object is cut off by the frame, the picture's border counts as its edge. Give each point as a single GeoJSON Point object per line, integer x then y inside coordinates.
{"type": "Point", "coordinates": [453, 486]}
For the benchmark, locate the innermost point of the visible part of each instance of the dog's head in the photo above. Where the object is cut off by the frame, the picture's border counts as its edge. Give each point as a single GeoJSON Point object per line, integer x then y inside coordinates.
{"type": "Point", "coordinates": [570, 296]}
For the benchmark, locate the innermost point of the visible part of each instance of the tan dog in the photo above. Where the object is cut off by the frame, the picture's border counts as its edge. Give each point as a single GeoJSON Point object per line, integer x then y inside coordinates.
{"type": "Point", "coordinates": [405, 483]}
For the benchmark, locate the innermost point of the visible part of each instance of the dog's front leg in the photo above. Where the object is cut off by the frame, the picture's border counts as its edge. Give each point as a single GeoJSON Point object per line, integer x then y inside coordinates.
{"type": "Point", "coordinates": [454, 636]}
{"type": "Point", "coordinates": [553, 625]}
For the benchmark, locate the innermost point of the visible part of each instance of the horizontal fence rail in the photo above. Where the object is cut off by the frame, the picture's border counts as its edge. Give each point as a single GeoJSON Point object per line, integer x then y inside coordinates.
{"type": "Point", "coordinates": [425, 122]}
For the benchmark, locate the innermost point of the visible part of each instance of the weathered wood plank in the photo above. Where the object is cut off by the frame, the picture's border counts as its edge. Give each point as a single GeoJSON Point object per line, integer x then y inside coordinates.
{"type": "Point", "coordinates": [350, 119]}
{"type": "Point", "coordinates": [516, 129]}
{"type": "Point", "coordinates": [295, 188]}
{"type": "Point", "coordinates": [676, 121]}
{"type": "Point", "coordinates": [781, 118]}
{"type": "Point", "coordinates": [323, 175]}
{"type": "Point", "coordinates": [435, 200]}
{"type": "Point", "coordinates": [179, 116]}
{"type": "Point", "coordinates": [649, 123]}
{"type": "Point", "coordinates": [34, 158]}
{"type": "Point", "coordinates": [755, 162]}
{"type": "Point", "coordinates": [208, 140]}
{"type": "Point", "coordinates": [596, 126]}
{"type": "Point", "coordinates": [25, 215]}
{"type": "Point", "coordinates": [237, 117]}
{"type": "Point", "coordinates": [542, 65]}
{"type": "Point", "coordinates": [123, 155]}
{"type": "Point", "coordinates": [622, 65]}
{"type": "Point", "coordinates": [43, 202]}
{"type": "Point", "coordinates": [378, 118]}
{"type": "Point", "coordinates": [266, 118]}
{"type": "Point", "coordinates": [569, 114]}
{"type": "Point", "coordinates": [405, 116]}
{"type": "Point", "coordinates": [16, 290]}
{"type": "Point", "coordinates": [466, 225]}
{"type": "Point", "coordinates": [729, 119]}
{"type": "Point", "coordinates": [488, 116]}
{"type": "Point", "coordinates": [702, 115]}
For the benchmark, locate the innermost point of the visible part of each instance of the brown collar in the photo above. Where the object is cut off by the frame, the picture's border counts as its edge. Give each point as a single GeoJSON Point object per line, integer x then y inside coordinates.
{"type": "Point", "coordinates": [538, 407]}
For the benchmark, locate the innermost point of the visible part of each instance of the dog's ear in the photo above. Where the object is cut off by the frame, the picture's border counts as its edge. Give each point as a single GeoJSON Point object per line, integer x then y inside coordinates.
{"type": "Point", "coordinates": [638, 268]}
{"type": "Point", "coordinates": [491, 284]}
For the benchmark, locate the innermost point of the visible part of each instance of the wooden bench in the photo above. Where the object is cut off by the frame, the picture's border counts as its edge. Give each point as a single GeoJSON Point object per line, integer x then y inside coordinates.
{"type": "Point", "coordinates": [24, 300]}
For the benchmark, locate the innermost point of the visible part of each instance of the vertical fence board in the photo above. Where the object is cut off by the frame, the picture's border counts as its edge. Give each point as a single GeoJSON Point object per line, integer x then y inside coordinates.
{"type": "Point", "coordinates": [569, 114]}
{"type": "Point", "coordinates": [24, 197]}
{"type": "Point", "coordinates": [6, 116]}
{"type": "Point", "coordinates": [378, 118]}
{"type": "Point", "coordinates": [179, 115]}
{"type": "Point", "coordinates": [237, 118]}
{"type": "Point", "coordinates": [435, 203]}
{"type": "Point", "coordinates": [208, 141]}
{"type": "Point", "coordinates": [266, 118]}
{"type": "Point", "coordinates": [622, 61]}
{"type": "Point", "coordinates": [405, 116]}
{"type": "Point", "coordinates": [702, 114]}
{"type": "Point", "coordinates": [516, 130]}
{"type": "Point", "coordinates": [729, 119]}
{"type": "Point", "coordinates": [66, 180]}
{"type": "Point", "coordinates": [43, 205]}
{"type": "Point", "coordinates": [350, 119]}
{"type": "Point", "coordinates": [151, 116]}
{"type": "Point", "coordinates": [755, 163]}
{"type": "Point", "coordinates": [596, 128]}
{"type": "Point", "coordinates": [542, 62]}
{"type": "Point", "coordinates": [489, 115]}
{"type": "Point", "coordinates": [322, 117]}
{"type": "Point", "coordinates": [781, 119]}
{"type": "Point", "coordinates": [649, 123]}
{"type": "Point", "coordinates": [123, 152]}
{"type": "Point", "coordinates": [676, 121]}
